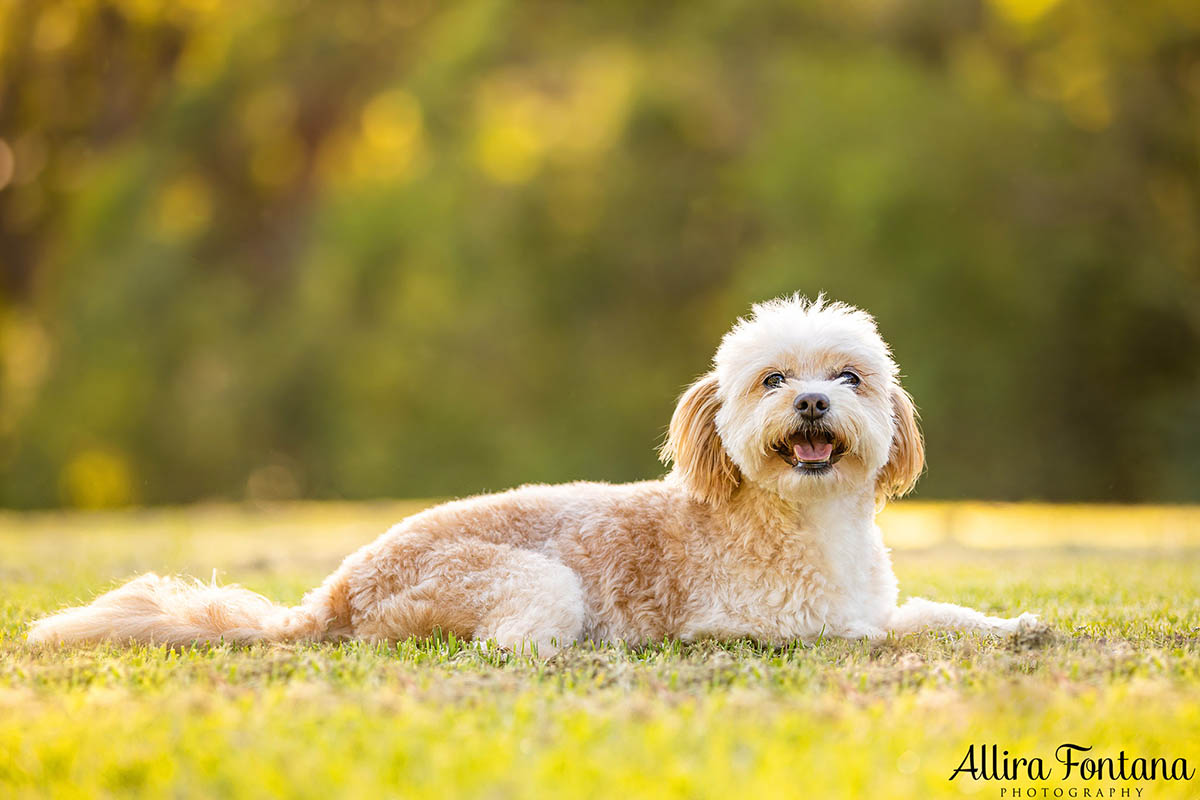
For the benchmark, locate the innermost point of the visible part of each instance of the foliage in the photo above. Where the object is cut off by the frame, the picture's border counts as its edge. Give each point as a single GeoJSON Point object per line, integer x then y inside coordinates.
{"type": "Point", "coordinates": [278, 249]}
{"type": "Point", "coordinates": [436, 718]}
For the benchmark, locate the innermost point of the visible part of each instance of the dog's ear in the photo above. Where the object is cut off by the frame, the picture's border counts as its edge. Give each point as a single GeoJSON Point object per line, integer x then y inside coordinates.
{"type": "Point", "coordinates": [906, 458]}
{"type": "Point", "coordinates": [693, 444]}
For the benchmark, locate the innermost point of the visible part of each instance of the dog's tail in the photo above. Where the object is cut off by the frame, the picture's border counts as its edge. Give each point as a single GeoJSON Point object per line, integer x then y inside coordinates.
{"type": "Point", "coordinates": [181, 611]}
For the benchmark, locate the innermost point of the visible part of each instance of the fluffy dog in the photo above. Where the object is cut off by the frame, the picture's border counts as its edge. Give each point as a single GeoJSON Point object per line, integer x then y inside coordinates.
{"type": "Point", "coordinates": [765, 528]}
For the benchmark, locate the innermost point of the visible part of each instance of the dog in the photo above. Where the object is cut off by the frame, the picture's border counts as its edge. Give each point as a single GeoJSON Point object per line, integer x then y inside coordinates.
{"type": "Point", "coordinates": [781, 455]}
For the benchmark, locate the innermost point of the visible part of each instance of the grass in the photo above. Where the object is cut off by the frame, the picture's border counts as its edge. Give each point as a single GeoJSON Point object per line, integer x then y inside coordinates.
{"type": "Point", "coordinates": [1120, 670]}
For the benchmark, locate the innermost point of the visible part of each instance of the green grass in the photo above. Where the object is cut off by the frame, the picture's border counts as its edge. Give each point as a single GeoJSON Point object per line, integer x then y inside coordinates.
{"type": "Point", "coordinates": [1120, 671]}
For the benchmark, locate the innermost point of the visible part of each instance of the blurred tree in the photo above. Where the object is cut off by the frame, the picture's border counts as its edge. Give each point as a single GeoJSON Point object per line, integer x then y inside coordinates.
{"type": "Point", "coordinates": [264, 249]}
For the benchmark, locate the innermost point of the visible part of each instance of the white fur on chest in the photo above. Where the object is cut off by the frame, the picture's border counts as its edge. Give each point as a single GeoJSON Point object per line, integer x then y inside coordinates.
{"type": "Point", "coordinates": [827, 572]}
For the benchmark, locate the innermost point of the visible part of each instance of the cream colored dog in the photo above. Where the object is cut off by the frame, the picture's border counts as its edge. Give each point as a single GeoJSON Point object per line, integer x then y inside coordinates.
{"type": "Point", "coordinates": [764, 528]}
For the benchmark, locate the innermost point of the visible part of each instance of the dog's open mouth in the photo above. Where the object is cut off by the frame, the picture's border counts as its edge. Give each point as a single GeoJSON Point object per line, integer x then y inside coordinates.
{"type": "Point", "coordinates": [811, 450]}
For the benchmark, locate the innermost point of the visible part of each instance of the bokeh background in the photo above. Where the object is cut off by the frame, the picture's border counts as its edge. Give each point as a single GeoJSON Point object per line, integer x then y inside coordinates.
{"type": "Point", "coordinates": [274, 250]}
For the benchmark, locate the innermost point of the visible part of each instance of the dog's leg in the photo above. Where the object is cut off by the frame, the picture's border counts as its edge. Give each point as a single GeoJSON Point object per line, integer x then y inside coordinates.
{"type": "Point", "coordinates": [477, 590]}
{"type": "Point", "coordinates": [919, 614]}
{"type": "Point", "coordinates": [539, 603]}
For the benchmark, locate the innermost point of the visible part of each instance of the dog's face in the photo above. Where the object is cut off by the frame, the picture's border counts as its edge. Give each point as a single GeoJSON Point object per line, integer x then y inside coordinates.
{"type": "Point", "coordinates": [803, 400]}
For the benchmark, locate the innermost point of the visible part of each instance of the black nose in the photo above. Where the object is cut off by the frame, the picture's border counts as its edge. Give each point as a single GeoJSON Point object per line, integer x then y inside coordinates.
{"type": "Point", "coordinates": [812, 405]}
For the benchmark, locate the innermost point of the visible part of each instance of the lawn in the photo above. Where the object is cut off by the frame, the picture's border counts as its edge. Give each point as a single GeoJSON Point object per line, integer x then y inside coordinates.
{"type": "Point", "coordinates": [1119, 669]}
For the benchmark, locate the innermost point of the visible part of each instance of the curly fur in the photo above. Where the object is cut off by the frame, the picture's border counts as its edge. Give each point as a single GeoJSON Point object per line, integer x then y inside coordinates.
{"type": "Point", "coordinates": [736, 541]}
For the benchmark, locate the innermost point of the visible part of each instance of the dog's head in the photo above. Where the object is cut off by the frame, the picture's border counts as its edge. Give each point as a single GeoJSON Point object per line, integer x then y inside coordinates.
{"type": "Point", "coordinates": [803, 400]}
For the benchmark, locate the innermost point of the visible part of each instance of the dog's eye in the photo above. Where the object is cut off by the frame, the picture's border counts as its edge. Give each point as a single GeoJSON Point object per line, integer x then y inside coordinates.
{"type": "Point", "coordinates": [774, 380]}
{"type": "Point", "coordinates": [850, 378]}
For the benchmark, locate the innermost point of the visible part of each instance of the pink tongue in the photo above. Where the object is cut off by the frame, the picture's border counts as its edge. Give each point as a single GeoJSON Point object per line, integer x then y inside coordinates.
{"type": "Point", "coordinates": [807, 451]}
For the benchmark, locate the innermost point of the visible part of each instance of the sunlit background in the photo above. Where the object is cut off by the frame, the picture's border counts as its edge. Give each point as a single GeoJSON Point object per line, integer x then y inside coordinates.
{"type": "Point", "coordinates": [278, 250]}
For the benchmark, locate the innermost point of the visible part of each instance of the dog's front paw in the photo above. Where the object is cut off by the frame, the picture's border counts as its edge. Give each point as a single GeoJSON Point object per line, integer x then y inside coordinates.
{"type": "Point", "coordinates": [1005, 625]}
{"type": "Point", "coordinates": [1028, 620]}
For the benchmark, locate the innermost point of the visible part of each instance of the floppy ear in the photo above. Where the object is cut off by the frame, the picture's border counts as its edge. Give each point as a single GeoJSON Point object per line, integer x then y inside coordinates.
{"type": "Point", "coordinates": [693, 444]}
{"type": "Point", "coordinates": [906, 459]}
